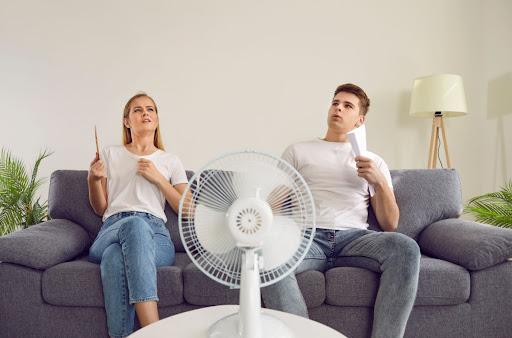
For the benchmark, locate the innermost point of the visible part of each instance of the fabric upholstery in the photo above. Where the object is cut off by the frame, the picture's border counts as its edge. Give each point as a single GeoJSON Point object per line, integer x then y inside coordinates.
{"type": "Point", "coordinates": [472, 245]}
{"type": "Point", "coordinates": [200, 289]}
{"type": "Point", "coordinates": [440, 283]}
{"type": "Point", "coordinates": [78, 283]}
{"type": "Point", "coordinates": [54, 242]}
{"type": "Point", "coordinates": [68, 198]}
{"type": "Point", "coordinates": [425, 196]}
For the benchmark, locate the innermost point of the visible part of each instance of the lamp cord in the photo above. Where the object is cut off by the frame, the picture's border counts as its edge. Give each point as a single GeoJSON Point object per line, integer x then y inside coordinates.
{"type": "Point", "coordinates": [438, 148]}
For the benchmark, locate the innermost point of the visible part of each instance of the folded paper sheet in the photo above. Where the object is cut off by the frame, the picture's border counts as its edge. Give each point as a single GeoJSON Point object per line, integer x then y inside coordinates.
{"type": "Point", "coordinates": [357, 138]}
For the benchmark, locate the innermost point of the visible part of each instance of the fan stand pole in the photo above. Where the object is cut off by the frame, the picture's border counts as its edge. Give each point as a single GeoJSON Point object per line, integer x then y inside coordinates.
{"type": "Point", "coordinates": [250, 298]}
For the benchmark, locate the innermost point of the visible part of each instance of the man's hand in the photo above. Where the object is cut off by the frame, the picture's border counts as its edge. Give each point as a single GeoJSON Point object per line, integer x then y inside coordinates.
{"type": "Point", "coordinates": [147, 169]}
{"type": "Point", "coordinates": [366, 169]}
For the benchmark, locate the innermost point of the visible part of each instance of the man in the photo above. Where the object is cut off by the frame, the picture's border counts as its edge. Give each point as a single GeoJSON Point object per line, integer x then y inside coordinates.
{"type": "Point", "coordinates": [340, 187]}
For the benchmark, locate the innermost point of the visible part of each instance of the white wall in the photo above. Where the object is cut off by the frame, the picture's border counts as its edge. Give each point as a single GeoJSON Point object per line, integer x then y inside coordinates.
{"type": "Point", "coordinates": [234, 74]}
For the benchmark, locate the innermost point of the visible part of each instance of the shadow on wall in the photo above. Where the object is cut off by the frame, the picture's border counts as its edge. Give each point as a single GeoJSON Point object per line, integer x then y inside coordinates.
{"type": "Point", "coordinates": [499, 104]}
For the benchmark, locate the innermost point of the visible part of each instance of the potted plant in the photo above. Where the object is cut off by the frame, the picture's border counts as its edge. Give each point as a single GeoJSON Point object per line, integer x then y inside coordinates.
{"type": "Point", "coordinates": [19, 207]}
{"type": "Point", "coordinates": [494, 208]}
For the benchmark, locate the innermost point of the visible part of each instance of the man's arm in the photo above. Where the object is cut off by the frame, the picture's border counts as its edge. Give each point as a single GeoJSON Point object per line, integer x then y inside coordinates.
{"type": "Point", "coordinates": [384, 205]}
{"type": "Point", "coordinates": [383, 201]}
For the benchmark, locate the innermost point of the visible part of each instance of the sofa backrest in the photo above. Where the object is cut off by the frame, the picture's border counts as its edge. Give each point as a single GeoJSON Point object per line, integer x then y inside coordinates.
{"type": "Point", "coordinates": [424, 196]}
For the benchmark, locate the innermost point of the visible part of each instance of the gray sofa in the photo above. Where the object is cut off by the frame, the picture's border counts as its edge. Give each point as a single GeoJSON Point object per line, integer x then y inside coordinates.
{"type": "Point", "coordinates": [49, 289]}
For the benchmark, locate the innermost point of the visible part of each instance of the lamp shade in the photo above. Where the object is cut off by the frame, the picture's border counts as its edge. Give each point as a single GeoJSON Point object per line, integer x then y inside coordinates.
{"type": "Point", "coordinates": [438, 93]}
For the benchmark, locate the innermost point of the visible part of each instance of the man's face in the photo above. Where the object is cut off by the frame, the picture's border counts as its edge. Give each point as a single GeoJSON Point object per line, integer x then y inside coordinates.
{"type": "Point", "coordinates": [344, 114]}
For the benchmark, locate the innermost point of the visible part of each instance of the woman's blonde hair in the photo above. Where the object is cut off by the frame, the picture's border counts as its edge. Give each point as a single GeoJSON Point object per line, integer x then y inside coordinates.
{"type": "Point", "coordinates": [127, 136]}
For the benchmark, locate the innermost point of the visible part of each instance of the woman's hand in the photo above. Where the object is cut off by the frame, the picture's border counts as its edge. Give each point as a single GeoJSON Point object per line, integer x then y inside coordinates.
{"type": "Point", "coordinates": [147, 169]}
{"type": "Point", "coordinates": [97, 169]}
{"type": "Point", "coordinates": [366, 169]}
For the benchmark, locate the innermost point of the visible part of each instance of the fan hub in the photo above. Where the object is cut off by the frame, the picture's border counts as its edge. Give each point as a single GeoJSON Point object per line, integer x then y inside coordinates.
{"type": "Point", "coordinates": [248, 220]}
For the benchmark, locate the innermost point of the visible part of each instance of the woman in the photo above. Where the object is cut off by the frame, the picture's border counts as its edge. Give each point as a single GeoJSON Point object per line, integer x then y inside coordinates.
{"type": "Point", "coordinates": [128, 186]}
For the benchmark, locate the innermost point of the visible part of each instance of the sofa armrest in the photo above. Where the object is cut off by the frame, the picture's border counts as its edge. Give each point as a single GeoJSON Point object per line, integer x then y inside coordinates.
{"type": "Point", "coordinates": [472, 245]}
{"type": "Point", "coordinates": [44, 245]}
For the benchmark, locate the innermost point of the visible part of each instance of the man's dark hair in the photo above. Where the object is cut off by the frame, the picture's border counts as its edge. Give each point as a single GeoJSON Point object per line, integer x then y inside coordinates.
{"type": "Point", "coordinates": [364, 101]}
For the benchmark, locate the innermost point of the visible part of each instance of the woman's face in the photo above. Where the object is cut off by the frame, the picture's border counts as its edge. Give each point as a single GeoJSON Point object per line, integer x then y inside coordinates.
{"type": "Point", "coordinates": [142, 117]}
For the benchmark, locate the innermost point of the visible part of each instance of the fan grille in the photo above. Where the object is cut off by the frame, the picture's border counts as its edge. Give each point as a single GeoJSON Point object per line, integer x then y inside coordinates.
{"type": "Point", "coordinates": [217, 186]}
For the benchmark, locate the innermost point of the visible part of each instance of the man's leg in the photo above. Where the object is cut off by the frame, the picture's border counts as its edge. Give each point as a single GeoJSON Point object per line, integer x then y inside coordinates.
{"type": "Point", "coordinates": [285, 295]}
{"type": "Point", "coordinates": [399, 258]}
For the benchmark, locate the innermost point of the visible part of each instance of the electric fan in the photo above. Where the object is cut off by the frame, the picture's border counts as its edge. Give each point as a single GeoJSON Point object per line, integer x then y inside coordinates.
{"type": "Point", "coordinates": [247, 220]}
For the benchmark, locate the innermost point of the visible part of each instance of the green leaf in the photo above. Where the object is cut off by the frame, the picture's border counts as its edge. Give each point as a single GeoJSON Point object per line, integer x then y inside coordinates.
{"type": "Point", "coordinates": [493, 208]}
{"type": "Point", "coordinates": [17, 192]}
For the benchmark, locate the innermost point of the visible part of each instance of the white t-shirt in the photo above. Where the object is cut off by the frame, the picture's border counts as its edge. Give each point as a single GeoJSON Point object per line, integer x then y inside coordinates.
{"type": "Point", "coordinates": [329, 168]}
{"type": "Point", "coordinates": [129, 191]}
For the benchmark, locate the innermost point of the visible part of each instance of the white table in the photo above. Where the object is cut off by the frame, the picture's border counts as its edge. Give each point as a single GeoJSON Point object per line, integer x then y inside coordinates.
{"type": "Point", "coordinates": [195, 324]}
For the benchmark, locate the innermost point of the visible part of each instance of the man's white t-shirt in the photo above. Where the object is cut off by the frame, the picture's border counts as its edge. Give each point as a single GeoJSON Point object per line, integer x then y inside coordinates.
{"type": "Point", "coordinates": [129, 191]}
{"type": "Point", "coordinates": [329, 168]}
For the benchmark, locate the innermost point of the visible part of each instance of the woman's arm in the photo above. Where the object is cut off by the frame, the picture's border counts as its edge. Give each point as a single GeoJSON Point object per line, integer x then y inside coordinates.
{"type": "Point", "coordinates": [172, 194]}
{"type": "Point", "coordinates": [97, 184]}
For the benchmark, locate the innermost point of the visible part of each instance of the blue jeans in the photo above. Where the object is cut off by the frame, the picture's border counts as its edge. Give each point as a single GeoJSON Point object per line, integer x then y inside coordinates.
{"type": "Point", "coordinates": [398, 256]}
{"type": "Point", "coordinates": [129, 247]}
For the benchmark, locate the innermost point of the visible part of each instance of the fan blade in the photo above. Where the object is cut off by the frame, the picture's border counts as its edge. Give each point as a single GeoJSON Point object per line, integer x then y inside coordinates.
{"type": "Point", "coordinates": [212, 230]}
{"type": "Point", "coordinates": [281, 242]}
{"type": "Point", "coordinates": [246, 185]}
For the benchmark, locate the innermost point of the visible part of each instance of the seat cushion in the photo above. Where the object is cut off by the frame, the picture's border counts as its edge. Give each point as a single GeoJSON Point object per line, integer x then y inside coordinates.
{"type": "Point", "coordinates": [311, 283]}
{"type": "Point", "coordinates": [78, 283]}
{"type": "Point", "coordinates": [200, 289]}
{"type": "Point", "coordinates": [440, 283]}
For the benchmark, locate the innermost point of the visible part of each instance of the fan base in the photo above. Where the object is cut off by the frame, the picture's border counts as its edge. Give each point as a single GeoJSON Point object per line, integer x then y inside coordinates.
{"type": "Point", "coordinates": [227, 327]}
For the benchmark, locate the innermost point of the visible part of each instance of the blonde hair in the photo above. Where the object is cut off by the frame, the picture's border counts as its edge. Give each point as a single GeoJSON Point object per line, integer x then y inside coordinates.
{"type": "Point", "coordinates": [127, 136]}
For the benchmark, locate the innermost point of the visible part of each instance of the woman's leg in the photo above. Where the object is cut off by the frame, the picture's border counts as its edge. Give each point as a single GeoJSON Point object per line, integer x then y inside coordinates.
{"type": "Point", "coordinates": [142, 245]}
{"type": "Point", "coordinates": [147, 312]}
{"type": "Point", "coordinates": [120, 313]}
{"type": "Point", "coordinates": [145, 247]}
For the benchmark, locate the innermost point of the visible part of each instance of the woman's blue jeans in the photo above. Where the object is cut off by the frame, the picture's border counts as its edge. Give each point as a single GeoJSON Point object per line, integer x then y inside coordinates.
{"type": "Point", "coordinates": [129, 247]}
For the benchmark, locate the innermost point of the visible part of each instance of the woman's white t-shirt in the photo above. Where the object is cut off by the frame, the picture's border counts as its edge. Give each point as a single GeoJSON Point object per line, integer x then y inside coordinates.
{"type": "Point", "coordinates": [329, 168]}
{"type": "Point", "coordinates": [129, 191]}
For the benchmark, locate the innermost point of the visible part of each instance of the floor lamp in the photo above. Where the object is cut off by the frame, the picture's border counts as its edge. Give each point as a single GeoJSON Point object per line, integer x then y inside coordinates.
{"type": "Point", "coordinates": [438, 96]}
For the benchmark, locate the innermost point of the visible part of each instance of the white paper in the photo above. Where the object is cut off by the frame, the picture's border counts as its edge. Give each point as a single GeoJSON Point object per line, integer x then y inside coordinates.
{"type": "Point", "coordinates": [357, 139]}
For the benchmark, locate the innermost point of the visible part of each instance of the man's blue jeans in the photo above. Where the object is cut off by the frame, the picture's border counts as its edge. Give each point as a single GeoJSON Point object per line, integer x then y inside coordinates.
{"type": "Point", "coordinates": [398, 256]}
{"type": "Point", "coordinates": [129, 247]}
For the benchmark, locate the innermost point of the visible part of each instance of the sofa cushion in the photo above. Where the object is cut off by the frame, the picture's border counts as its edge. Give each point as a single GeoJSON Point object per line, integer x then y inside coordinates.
{"type": "Point", "coordinates": [472, 245]}
{"type": "Point", "coordinates": [78, 283]}
{"type": "Point", "coordinates": [68, 198]}
{"type": "Point", "coordinates": [440, 283]}
{"type": "Point", "coordinates": [312, 286]}
{"type": "Point", "coordinates": [200, 289]}
{"type": "Point", "coordinates": [311, 283]}
{"type": "Point", "coordinates": [44, 245]}
{"type": "Point", "coordinates": [424, 196]}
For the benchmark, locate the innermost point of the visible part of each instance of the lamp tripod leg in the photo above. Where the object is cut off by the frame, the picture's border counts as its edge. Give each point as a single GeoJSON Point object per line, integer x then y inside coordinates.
{"type": "Point", "coordinates": [433, 145]}
{"type": "Point", "coordinates": [445, 144]}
